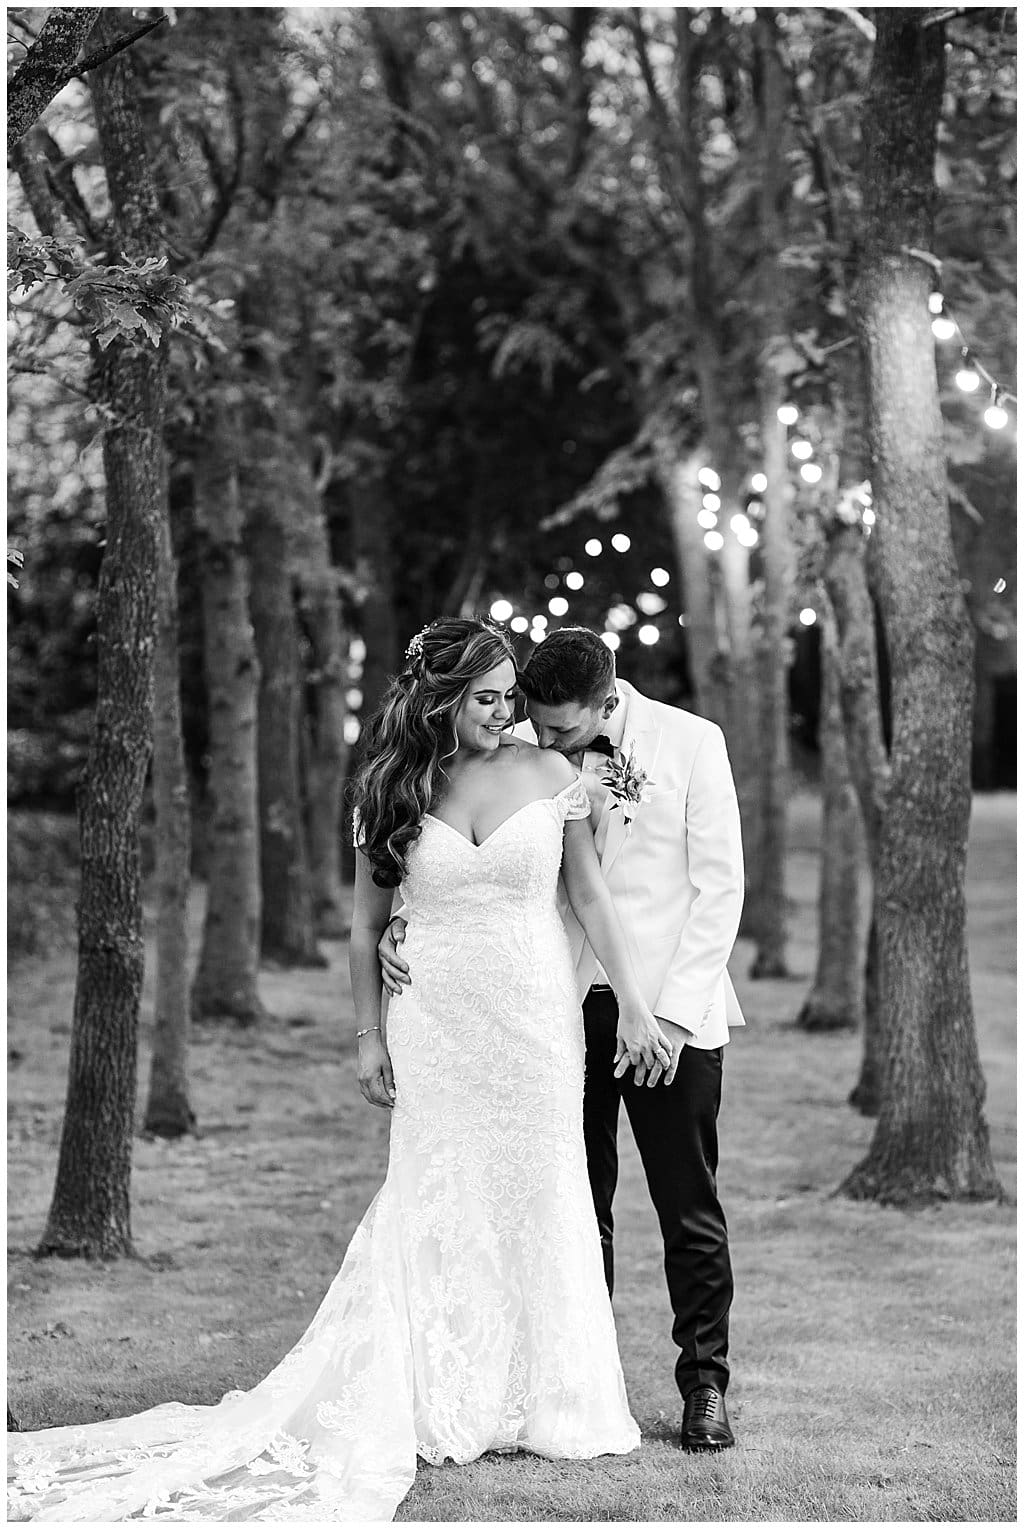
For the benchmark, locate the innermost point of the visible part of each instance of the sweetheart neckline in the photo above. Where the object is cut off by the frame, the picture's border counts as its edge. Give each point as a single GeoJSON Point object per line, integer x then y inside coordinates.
{"type": "Point", "coordinates": [501, 825]}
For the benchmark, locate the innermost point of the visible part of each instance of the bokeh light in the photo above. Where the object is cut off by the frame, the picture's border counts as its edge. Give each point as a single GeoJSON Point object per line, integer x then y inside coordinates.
{"type": "Point", "coordinates": [621, 542]}
{"type": "Point", "coordinates": [811, 472]}
{"type": "Point", "coordinates": [501, 610]}
{"type": "Point", "coordinates": [807, 616]}
{"type": "Point", "coordinates": [660, 577]}
{"type": "Point", "coordinates": [714, 541]}
{"type": "Point", "coordinates": [648, 635]}
{"type": "Point", "coordinates": [558, 606]}
{"type": "Point", "coordinates": [611, 640]}
{"type": "Point", "coordinates": [574, 580]}
{"type": "Point", "coordinates": [593, 548]}
{"type": "Point", "coordinates": [788, 414]}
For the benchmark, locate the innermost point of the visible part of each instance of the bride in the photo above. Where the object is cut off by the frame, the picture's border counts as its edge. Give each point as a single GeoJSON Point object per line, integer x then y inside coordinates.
{"type": "Point", "coordinates": [470, 1312]}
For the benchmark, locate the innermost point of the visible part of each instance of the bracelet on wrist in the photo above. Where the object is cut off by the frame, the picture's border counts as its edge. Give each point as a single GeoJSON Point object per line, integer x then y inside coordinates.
{"type": "Point", "coordinates": [368, 1031]}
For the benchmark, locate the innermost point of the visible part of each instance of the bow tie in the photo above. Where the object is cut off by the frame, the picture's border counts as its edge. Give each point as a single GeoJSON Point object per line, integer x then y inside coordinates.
{"type": "Point", "coordinates": [601, 745]}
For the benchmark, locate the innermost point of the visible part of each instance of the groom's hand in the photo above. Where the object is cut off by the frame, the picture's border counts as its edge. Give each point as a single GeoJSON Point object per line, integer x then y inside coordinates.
{"type": "Point", "coordinates": [394, 971]}
{"type": "Point", "coordinates": [678, 1037]}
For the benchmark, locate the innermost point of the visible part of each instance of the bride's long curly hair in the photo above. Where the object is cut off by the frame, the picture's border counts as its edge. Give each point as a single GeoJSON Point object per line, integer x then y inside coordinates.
{"type": "Point", "coordinates": [412, 734]}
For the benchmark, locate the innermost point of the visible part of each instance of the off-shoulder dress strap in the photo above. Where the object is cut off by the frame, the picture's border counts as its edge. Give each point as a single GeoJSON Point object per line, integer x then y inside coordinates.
{"type": "Point", "coordinates": [573, 800]}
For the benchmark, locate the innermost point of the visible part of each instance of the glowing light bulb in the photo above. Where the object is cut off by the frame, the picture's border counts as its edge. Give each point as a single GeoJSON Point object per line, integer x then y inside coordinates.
{"type": "Point", "coordinates": [759, 483]}
{"type": "Point", "coordinates": [943, 328]}
{"type": "Point", "coordinates": [520, 624]}
{"type": "Point", "coordinates": [660, 577]}
{"type": "Point", "coordinates": [620, 542]}
{"type": "Point", "coordinates": [935, 302]}
{"type": "Point", "coordinates": [714, 541]}
{"type": "Point", "coordinates": [558, 606]}
{"type": "Point", "coordinates": [648, 635]}
{"type": "Point", "coordinates": [709, 478]}
{"type": "Point", "coordinates": [802, 450]}
{"type": "Point", "coordinates": [574, 581]}
{"type": "Point", "coordinates": [788, 414]}
{"type": "Point", "coordinates": [996, 416]}
{"type": "Point", "coordinates": [807, 616]}
{"type": "Point", "coordinates": [611, 640]}
{"type": "Point", "coordinates": [711, 502]}
{"type": "Point", "coordinates": [968, 380]}
{"type": "Point", "coordinates": [811, 472]}
{"type": "Point", "coordinates": [593, 547]}
{"type": "Point", "coordinates": [501, 610]}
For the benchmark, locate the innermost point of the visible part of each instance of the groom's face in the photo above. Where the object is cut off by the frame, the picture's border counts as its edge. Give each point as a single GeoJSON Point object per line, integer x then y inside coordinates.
{"type": "Point", "coordinates": [570, 727]}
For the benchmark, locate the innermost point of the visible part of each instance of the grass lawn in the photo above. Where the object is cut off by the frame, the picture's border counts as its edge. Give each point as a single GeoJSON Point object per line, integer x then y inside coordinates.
{"type": "Point", "coordinates": [874, 1364]}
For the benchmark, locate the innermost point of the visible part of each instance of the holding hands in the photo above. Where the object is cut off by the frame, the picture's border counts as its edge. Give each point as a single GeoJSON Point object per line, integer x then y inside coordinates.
{"type": "Point", "coordinates": [641, 1043]}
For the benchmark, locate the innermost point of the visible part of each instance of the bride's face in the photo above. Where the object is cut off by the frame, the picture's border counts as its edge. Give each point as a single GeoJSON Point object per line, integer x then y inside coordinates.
{"type": "Point", "coordinates": [488, 709]}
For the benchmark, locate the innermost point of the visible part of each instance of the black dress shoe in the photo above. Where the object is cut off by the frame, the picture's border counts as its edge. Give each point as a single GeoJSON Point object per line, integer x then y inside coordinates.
{"type": "Point", "coordinates": [705, 1420]}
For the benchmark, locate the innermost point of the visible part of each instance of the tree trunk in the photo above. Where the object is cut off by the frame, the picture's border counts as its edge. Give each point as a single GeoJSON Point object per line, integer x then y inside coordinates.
{"type": "Point", "coordinates": [683, 493]}
{"type": "Point", "coordinates": [931, 1140]}
{"type": "Point", "coordinates": [287, 934]}
{"type": "Point", "coordinates": [225, 981]}
{"type": "Point", "coordinates": [90, 1211]}
{"type": "Point", "coordinates": [769, 920]}
{"type": "Point", "coordinates": [847, 586]}
{"type": "Point", "coordinates": [168, 1109]}
{"type": "Point", "coordinates": [836, 999]}
{"type": "Point", "coordinates": [327, 754]}
{"type": "Point", "coordinates": [373, 543]}
{"type": "Point", "coordinates": [47, 66]}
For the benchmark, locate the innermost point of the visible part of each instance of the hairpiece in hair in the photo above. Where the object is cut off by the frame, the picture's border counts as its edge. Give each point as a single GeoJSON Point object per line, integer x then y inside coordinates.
{"type": "Point", "coordinates": [415, 648]}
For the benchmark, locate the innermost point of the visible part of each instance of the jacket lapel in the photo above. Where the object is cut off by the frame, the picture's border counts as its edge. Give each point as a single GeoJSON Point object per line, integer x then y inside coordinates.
{"type": "Point", "coordinates": [644, 736]}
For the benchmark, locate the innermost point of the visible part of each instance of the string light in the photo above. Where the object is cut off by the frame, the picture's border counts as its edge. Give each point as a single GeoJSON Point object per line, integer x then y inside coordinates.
{"type": "Point", "coordinates": [707, 520]}
{"type": "Point", "coordinates": [967, 379]}
{"type": "Point", "coordinates": [811, 472]}
{"type": "Point", "coordinates": [759, 483]}
{"type": "Point", "coordinates": [971, 374]}
{"type": "Point", "coordinates": [574, 581]}
{"type": "Point", "coordinates": [802, 450]}
{"type": "Point", "coordinates": [709, 478]}
{"type": "Point", "coordinates": [995, 415]}
{"type": "Point", "coordinates": [593, 547]}
{"type": "Point", "coordinates": [648, 635]}
{"type": "Point", "coordinates": [714, 541]}
{"type": "Point", "coordinates": [660, 577]}
{"type": "Point", "coordinates": [501, 610]}
{"type": "Point", "coordinates": [788, 414]}
{"type": "Point", "coordinates": [620, 542]}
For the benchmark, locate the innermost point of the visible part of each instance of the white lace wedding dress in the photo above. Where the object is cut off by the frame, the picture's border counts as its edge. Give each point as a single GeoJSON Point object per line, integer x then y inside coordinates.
{"type": "Point", "coordinates": [470, 1313]}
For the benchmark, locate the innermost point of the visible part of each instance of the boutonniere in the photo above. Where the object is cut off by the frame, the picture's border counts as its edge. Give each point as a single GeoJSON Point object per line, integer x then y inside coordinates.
{"type": "Point", "coordinates": [627, 781]}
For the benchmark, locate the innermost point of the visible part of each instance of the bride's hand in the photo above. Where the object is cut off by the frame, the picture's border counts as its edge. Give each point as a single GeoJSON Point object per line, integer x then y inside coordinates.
{"type": "Point", "coordinates": [376, 1080]}
{"type": "Point", "coordinates": [640, 1042]}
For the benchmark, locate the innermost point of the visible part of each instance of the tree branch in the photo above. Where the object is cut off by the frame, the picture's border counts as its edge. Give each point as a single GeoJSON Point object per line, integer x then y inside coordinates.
{"type": "Point", "coordinates": [111, 49]}
{"type": "Point", "coordinates": [47, 67]}
{"type": "Point", "coordinates": [859, 20]}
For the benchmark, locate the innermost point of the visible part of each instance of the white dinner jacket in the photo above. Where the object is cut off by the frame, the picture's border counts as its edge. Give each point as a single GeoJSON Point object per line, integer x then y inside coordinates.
{"type": "Point", "coordinates": [675, 872]}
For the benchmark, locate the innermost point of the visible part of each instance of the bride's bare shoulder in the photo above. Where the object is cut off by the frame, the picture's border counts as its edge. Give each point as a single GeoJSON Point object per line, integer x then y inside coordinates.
{"type": "Point", "coordinates": [549, 768]}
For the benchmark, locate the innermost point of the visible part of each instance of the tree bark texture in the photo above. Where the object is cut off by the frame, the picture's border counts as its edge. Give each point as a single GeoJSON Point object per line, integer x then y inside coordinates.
{"type": "Point", "coordinates": [769, 919]}
{"type": "Point", "coordinates": [225, 984]}
{"type": "Point", "coordinates": [47, 66]}
{"type": "Point", "coordinates": [90, 1210]}
{"type": "Point", "coordinates": [931, 1140]}
{"type": "Point", "coordinates": [845, 578]}
{"type": "Point", "coordinates": [327, 754]}
{"type": "Point", "coordinates": [836, 998]}
{"type": "Point", "coordinates": [683, 492]}
{"type": "Point", "coordinates": [168, 1108]}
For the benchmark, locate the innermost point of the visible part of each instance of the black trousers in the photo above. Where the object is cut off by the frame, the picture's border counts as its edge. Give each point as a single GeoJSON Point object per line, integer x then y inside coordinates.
{"type": "Point", "coordinates": [676, 1132]}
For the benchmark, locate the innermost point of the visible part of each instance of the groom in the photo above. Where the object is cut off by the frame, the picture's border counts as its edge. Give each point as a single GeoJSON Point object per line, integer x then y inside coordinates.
{"type": "Point", "coordinates": [670, 853]}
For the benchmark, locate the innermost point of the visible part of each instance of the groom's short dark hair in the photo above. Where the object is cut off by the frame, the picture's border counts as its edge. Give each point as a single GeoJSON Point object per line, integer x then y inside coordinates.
{"type": "Point", "coordinates": [572, 664]}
